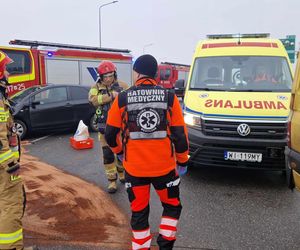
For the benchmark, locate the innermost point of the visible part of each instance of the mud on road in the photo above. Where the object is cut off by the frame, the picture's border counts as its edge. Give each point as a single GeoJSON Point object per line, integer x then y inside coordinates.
{"type": "Point", "coordinates": [64, 209]}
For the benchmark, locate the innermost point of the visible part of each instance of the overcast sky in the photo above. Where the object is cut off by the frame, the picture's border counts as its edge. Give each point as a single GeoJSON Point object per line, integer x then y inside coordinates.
{"type": "Point", "coordinates": [167, 29]}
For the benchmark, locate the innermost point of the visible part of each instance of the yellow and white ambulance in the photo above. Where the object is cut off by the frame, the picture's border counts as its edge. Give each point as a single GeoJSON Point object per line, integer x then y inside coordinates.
{"type": "Point", "coordinates": [293, 149]}
{"type": "Point", "coordinates": [236, 104]}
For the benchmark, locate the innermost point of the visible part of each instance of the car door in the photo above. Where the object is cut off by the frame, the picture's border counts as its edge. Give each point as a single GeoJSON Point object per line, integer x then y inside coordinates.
{"type": "Point", "coordinates": [82, 109]}
{"type": "Point", "coordinates": [50, 109]}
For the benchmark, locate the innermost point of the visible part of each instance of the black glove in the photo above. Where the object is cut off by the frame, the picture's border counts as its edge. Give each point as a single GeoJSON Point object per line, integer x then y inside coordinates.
{"type": "Point", "coordinates": [181, 170]}
{"type": "Point", "coordinates": [12, 167]}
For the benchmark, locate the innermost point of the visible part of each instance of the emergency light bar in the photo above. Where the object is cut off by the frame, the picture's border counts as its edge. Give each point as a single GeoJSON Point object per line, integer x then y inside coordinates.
{"type": "Point", "coordinates": [255, 35]}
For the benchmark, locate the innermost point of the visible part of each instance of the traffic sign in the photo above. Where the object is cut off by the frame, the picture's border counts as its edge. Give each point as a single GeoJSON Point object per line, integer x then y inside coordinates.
{"type": "Point", "coordinates": [289, 43]}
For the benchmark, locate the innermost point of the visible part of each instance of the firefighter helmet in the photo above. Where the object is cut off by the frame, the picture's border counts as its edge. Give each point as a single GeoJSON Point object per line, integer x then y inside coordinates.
{"type": "Point", "coordinates": [106, 67]}
{"type": "Point", "coordinates": [4, 60]}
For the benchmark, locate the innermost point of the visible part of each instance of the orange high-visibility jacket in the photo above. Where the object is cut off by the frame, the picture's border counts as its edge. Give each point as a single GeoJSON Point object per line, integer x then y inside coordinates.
{"type": "Point", "coordinates": [148, 157]}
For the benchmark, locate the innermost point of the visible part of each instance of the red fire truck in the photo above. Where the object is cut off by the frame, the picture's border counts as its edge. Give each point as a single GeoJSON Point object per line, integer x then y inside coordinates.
{"type": "Point", "coordinates": [38, 63]}
{"type": "Point", "coordinates": [168, 73]}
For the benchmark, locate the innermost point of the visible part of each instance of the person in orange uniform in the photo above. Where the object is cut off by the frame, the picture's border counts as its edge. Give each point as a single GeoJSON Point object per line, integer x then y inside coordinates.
{"type": "Point", "coordinates": [12, 196]}
{"type": "Point", "coordinates": [262, 75]}
{"type": "Point", "coordinates": [153, 148]}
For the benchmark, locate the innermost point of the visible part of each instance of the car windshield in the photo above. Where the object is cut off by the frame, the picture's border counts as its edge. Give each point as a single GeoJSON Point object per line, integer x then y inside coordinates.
{"type": "Point", "coordinates": [20, 95]}
{"type": "Point", "coordinates": [241, 73]}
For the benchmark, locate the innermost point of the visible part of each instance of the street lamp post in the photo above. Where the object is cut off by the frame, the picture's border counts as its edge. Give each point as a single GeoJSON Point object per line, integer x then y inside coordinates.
{"type": "Point", "coordinates": [146, 45]}
{"type": "Point", "coordinates": [100, 18]}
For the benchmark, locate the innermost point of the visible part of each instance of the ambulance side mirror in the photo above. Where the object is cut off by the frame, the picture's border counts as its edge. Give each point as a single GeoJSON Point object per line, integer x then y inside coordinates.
{"type": "Point", "coordinates": [179, 84]}
{"type": "Point", "coordinates": [180, 88]}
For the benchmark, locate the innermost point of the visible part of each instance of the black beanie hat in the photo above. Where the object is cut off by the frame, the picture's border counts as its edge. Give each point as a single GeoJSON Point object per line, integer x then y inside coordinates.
{"type": "Point", "coordinates": [145, 65]}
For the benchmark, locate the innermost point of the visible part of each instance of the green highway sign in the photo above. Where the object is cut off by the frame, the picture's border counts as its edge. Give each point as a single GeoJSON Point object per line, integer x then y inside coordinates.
{"type": "Point", "coordinates": [289, 43]}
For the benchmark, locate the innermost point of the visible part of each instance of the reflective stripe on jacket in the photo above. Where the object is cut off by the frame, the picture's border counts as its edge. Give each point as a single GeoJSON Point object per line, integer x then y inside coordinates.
{"type": "Point", "coordinates": [6, 123]}
{"type": "Point", "coordinates": [4, 115]}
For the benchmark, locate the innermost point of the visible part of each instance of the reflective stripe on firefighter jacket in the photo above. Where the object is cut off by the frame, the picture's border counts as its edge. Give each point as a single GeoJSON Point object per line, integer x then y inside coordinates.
{"type": "Point", "coordinates": [4, 115]}
{"type": "Point", "coordinates": [148, 119]}
{"type": "Point", "coordinates": [6, 122]}
{"type": "Point", "coordinates": [100, 96]}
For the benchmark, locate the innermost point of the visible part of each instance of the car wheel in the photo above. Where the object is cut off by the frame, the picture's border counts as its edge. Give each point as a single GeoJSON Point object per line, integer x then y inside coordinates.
{"type": "Point", "coordinates": [93, 123]}
{"type": "Point", "coordinates": [21, 128]}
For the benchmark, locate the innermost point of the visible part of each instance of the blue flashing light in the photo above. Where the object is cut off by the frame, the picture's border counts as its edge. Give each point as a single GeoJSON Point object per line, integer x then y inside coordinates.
{"type": "Point", "coordinates": [49, 54]}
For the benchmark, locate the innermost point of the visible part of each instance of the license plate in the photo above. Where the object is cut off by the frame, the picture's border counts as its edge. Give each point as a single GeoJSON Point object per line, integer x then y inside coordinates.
{"type": "Point", "coordinates": [242, 156]}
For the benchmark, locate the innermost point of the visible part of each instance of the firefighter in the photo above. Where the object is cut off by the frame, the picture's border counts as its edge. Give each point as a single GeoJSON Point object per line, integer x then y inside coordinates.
{"type": "Point", "coordinates": [153, 148]}
{"type": "Point", "coordinates": [101, 96]}
{"type": "Point", "coordinates": [12, 196]}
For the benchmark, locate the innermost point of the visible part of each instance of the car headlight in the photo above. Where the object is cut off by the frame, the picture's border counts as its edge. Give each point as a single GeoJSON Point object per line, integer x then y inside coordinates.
{"type": "Point", "coordinates": [192, 120]}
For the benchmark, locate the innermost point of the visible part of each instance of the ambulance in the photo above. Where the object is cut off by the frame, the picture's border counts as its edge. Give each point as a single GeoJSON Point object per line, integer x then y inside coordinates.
{"type": "Point", "coordinates": [236, 104]}
{"type": "Point", "coordinates": [293, 149]}
{"type": "Point", "coordinates": [39, 63]}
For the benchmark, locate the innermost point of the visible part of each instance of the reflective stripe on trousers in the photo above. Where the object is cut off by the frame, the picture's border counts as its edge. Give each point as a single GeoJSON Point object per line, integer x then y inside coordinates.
{"type": "Point", "coordinates": [141, 239]}
{"type": "Point", "coordinates": [11, 209]}
{"type": "Point", "coordinates": [5, 156]}
{"type": "Point", "coordinates": [138, 190]}
{"type": "Point", "coordinates": [11, 237]}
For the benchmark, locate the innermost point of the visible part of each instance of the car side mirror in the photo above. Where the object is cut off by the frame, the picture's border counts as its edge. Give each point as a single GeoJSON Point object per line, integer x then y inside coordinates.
{"type": "Point", "coordinates": [179, 84]}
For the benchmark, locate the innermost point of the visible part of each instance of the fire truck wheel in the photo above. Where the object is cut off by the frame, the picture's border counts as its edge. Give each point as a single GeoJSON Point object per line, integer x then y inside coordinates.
{"type": "Point", "coordinates": [93, 123]}
{"type": "Point", "coordinates": [21, 128]}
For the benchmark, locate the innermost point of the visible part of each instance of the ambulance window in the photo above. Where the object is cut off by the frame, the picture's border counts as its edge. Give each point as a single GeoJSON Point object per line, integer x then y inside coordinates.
{"type": "Point", "coordinates": [21, 64]}
{"type": "Point", "coordinates": [241, 73]}
{"type": "Point", "coordinates": [208, 72]}
{"type": "Point", "coordinates": [284, 75]}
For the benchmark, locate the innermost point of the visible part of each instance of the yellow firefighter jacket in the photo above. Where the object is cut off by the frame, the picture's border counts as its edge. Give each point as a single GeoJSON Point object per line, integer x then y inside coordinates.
{"type": "Point", "coordinates": [97, 95]}
{"type": "Point", "coordinates": [6, 124]}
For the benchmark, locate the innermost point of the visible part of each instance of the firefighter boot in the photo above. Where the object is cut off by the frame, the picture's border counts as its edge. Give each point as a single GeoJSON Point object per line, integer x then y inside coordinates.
{"type": "Point", "coordinates": [30, 248]}
{"type": "Point", "coordinates": [111, 174]}
{"type": "Point", "coordinates": [120, 170]}
{"type": "Point", "coordinates": [112, 187]}
{"type": "Point", "coordinates": [121, 177]}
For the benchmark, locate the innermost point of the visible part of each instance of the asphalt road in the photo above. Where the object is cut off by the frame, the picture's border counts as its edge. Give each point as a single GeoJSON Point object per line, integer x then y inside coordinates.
{"type": "Point", "coordinates": [222, 208]}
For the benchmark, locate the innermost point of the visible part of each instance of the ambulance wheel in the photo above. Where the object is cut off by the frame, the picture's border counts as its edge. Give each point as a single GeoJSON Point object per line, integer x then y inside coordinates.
{"type": "Point", "coordinates": [93, 124]}
{"type": "Point", "coordinates": [21, 128]}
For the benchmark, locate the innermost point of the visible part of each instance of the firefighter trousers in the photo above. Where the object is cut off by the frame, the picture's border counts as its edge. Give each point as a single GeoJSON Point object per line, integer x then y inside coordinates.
{"type": "Point", "coordinates": [112, 166]}
{"type": "Point", "coordinates": [138, 190]}
{"type": "Point", "coordinates": [12, 204]}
